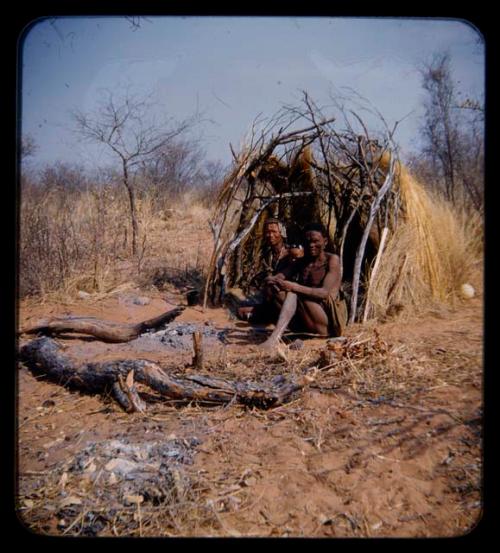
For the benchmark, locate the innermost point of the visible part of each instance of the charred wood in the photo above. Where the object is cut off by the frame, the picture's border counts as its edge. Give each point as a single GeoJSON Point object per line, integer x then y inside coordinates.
{"type": "Point", "coordinates": [107, 331]}
{"type": "Point", "coordinates": [43, 356]}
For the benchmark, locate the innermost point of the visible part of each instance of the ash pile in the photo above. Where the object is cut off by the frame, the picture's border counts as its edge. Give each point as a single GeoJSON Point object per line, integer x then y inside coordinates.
{"type": "Point", "coordinates": [179, 336]}
{"type": "Point", "coordinates": [149, 470]}
{"type": "Point", "coordinates": [103, 485]}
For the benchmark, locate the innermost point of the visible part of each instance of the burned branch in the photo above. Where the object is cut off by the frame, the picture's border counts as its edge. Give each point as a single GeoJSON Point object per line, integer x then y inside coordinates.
{"type": "Point", "coordinates": [43, 356]}
{"type": "Point", "coordinates": [107, 331]}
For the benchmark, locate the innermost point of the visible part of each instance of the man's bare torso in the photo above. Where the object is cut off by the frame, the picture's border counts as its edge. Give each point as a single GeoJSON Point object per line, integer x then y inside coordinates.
{"type": "Point", "coordinates": [312, 273]}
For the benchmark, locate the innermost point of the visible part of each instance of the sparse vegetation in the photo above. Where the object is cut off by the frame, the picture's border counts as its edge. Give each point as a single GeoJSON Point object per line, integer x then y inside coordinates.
{"type": "Point", "coordinates": [76, 237]}
{"type": "Point", "coordinates": [384, 436]}
{"type": "Point", "coordinates": [451, 159]}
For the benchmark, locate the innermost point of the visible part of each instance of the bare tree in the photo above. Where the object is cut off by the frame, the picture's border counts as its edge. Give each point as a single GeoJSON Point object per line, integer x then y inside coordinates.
{"type": "Point", "coordinates": [174, 167]}
{"type": "Point", "coordinates": [128, 128]}
{"type": "Point", "coordinates": [135, 21]}
{"type": "Point", "coordinates": [471, 160]}
{"type": "Point", "coordinates": [28, 146]}
{"type": "Point", "coordinates": [213, 175]}
{"type": "Point", "coordinates": [208, 181]}
{"type": "Point", "coordinates": [452, 133]}
{"type": "Point", "coordinates": [66, 177]}
{"type": "Point", "coordinates": [440, 130]}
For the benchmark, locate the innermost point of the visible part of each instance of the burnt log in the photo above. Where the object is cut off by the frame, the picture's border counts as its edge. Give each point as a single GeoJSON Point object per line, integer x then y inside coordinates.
{"type": "Point", "coordinates": [107, 331]}
{"type": "Point", "coordinates": [43, 356]}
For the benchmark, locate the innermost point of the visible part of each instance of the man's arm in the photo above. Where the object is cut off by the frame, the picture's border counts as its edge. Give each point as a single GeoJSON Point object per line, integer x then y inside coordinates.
{"type": "Point", "coordinates": [286, 273]}
{"type": "Point", "coordinates": [330, 286]}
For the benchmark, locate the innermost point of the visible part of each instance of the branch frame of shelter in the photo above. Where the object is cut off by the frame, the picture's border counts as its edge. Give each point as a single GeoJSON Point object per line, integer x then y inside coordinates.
{"type": "Point", "coordinates": [304, 167]}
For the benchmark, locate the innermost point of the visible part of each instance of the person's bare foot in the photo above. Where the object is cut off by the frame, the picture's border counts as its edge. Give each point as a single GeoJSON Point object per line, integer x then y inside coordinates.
{"type": "Point", "coordinates": [269, 345]}
{"type": "Point", "coordinates": [271, 348]}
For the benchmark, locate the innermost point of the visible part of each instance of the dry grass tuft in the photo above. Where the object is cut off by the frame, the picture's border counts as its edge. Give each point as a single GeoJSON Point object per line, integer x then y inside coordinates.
{"type": "Point", "coordinates": [370, 367]}
{"type": "Point", "coordinates": [79, 240]}
{"type": "Point", "coordinates": [435, 249]}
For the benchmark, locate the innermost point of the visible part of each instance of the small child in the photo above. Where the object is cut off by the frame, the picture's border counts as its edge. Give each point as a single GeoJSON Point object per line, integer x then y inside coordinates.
{"type": "Point", "coordinates": [296, 251]}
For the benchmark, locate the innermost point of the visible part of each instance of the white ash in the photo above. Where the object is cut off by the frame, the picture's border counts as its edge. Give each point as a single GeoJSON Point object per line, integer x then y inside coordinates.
{"type": "Point", "coordinates": [179, 336]}
{"type": "Point", "coordinates": [151, 470]}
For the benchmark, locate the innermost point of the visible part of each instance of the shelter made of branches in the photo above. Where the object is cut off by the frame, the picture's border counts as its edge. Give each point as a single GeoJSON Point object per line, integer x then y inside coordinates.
{"type": "Point", "coordinates": [303, 167]}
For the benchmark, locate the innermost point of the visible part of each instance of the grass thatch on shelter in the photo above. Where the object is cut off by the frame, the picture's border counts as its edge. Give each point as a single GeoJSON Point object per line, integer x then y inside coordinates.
{"type": "Point", "coordinates": [302, 166]}
{"type": "Point", "coordinates": [428, 256]}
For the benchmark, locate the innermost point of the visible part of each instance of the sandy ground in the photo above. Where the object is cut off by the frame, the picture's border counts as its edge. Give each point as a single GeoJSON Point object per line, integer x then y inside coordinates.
{"type": "Point", "coordinates": [373, 453]}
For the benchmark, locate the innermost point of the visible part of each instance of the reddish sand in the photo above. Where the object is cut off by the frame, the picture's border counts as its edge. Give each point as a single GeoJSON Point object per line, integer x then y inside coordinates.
{"type": "Point", "coordinates": [328, 464]}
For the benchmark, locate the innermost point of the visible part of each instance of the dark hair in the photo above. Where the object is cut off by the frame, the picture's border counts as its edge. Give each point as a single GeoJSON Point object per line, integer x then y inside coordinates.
{"type": "Point", "coordinates": [272, 220]}
{"type": "Point", "coordinates": [316, 227]}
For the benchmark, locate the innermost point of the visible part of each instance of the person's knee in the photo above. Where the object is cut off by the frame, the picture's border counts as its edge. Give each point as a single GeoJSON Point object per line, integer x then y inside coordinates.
{"type": "Point", "coordinates": [281, 296]}
{"type": "Point", "coordinates": [313, 317]}
{"type": "Point", "coordinates": [315, 311]}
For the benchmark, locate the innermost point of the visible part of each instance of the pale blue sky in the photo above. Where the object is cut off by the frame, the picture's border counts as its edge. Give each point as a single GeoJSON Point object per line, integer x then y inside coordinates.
{"type": "Point", "coordinates": [233, 68]}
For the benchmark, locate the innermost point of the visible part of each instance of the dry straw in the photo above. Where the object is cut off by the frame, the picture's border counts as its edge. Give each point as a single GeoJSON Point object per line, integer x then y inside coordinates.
{"type": "Point", "coordinates": [78, 240]}
{"type": "Point", "coordinates": [433, 250]}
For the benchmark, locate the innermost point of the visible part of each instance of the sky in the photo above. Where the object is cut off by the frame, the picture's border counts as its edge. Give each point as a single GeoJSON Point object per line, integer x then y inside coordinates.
{"type": "Point", "coordinates": [231, 69]}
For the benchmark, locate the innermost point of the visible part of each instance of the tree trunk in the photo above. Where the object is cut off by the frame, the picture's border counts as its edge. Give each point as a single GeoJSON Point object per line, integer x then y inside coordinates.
{"type": "Point", "coordinates": [198, 350]}
{"type": "Point", "coordinates": [133, 213]}
{"type": "Point", "coordinates": [43, 356]}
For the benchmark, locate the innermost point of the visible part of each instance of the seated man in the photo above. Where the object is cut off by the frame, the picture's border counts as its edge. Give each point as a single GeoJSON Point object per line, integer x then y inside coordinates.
{"type": "Point", "coordinates": [275, 258]}
{"type": "Point", "coordinates": [307, 293]}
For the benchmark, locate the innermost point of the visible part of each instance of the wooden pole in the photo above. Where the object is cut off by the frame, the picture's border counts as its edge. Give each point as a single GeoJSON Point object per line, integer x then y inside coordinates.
{"type": "Point", "coordinates": [361, 248]}
{"type": "Point", "coordinates": [198, 350]}
{"type": "Point", "coordinates": [383, 238]}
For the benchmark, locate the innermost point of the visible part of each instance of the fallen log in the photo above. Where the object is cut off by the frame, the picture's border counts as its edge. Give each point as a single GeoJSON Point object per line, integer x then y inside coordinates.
{"type": "Point", "coordinates": [107, 331]}
{"type": "Point", "coordinates": [43, 356]}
